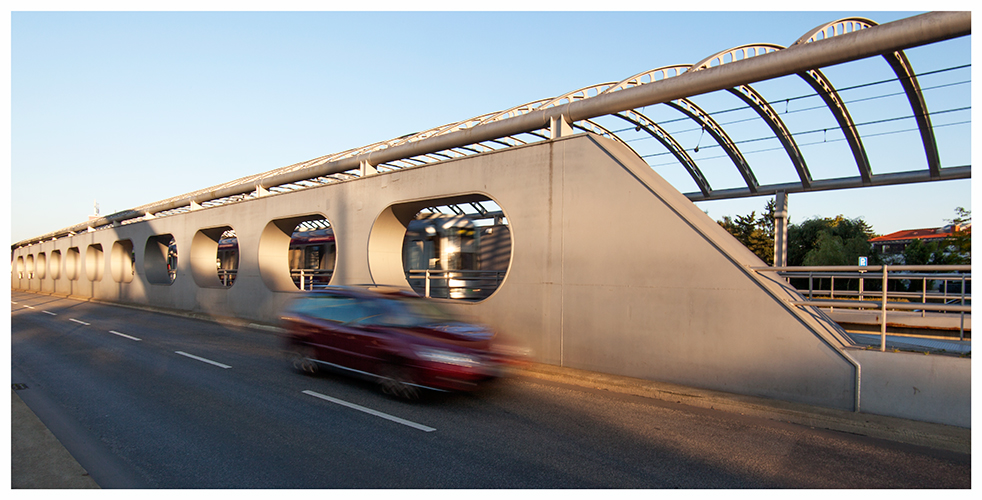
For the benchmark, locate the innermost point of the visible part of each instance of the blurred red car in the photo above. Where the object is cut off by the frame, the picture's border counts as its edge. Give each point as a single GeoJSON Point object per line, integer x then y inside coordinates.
{"type": "Point", "coordinates": [403, 341]}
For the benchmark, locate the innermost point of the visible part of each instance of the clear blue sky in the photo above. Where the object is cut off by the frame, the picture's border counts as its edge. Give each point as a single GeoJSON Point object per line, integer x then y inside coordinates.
{"type": "Point", "coordinates": [127, 108]}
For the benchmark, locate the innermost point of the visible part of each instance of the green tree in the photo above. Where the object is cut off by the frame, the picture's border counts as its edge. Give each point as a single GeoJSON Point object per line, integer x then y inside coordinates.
{"type": "Point", "coordinates": [756, 233]}
{"type": "Point", "coordinates": [961, 240]}
{"type": "Point", "coordinates": [955, 249]}
{"type": "Point", "coordinates": [844, 241]}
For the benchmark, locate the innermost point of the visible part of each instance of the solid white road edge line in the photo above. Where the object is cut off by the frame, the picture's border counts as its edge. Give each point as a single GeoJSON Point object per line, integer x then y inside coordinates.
{"type": "Point", "coordinates": [123, 335]}
{"type": "Point", "coordinates": [210, 362]}
{"type": "Point", "coordinates": [78, 321]}
{"type": "Point", "coordinates": [370, 411]}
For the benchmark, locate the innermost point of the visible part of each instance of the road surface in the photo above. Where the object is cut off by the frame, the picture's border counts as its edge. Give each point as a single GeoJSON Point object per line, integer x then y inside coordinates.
{"type": "Point", "coordinates": [148, 400]}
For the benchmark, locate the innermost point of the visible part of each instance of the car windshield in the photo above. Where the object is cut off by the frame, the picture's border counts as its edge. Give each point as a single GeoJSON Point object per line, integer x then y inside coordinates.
{"type": "Point", "coordinates": [415, 312]}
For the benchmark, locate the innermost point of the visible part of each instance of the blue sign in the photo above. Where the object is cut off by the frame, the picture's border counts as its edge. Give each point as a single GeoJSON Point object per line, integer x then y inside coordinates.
{"type": "Point", "coordinates": [864, 261]}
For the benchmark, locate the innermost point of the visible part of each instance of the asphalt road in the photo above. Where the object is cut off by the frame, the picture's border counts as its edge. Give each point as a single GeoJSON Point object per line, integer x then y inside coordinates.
{"type": "Point", "coordinates": [147, 400]}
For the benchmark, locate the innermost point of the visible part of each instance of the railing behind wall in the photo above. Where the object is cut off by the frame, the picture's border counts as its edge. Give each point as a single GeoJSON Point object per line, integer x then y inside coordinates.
{"type": "Point", "coordinates": [311, 279]}
{"type": "Point", "coordinates": [457, 284]}
{"type": "Point", "coordinates": [873, 282]}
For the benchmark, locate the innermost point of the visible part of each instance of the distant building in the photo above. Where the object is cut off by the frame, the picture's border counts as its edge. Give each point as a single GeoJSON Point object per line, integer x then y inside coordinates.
{"type": "Point", "coordinates": [895, 243]}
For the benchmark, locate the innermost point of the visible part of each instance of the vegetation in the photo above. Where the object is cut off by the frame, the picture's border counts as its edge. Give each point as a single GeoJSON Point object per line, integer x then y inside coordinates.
{"type": "Point", "coordinates": [838, 241]}
{"type": "Point", "coordinates": [961, 241]}
{"type": "Point", "coordinates": [756, 233]}
{"type": "Point", "coordinates": [830, 241]}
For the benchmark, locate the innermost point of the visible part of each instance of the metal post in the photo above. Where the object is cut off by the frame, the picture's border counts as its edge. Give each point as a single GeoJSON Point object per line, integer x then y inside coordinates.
{"type": "Point", "coordinates": [426, 285]}
{"type": "Point", "coordinates": [924, 295]}
{"type": "Point", "coordinates": [961, 327]}
{"type": "Point", "coordinates": [883, 313]}
{"type": "Point", "coordinates": [860, 287]}
{"type": "Point", "coordinates": [559, 127]}
{"type": "Point", "coordinates": [810, 285]}
{"type": "Point", "coordinates": [780, 229]}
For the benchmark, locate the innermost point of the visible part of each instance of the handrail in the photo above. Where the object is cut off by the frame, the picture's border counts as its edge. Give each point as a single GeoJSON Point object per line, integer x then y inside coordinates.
{"type": "Point", "coordinates": [944, 273]}
{"type": "Point", "coordinates": [227, 276]}
{"type": "Point", "coordinates": [443, 279]}
{"type": "Point", "coordinates": [956, 267]}
{"type": "Point", "coordinates": [302, 277]}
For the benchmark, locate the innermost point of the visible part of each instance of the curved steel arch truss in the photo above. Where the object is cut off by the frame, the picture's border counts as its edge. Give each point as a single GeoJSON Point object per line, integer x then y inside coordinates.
{"type": "Point", "coordinates": [905, 74]}
{"type": "Point", "coordinates": [827, 92]}
{"type": "Point", "coordinates": [695, 113]}
{"type": "Point", "coordinates": [642, 122]}
{"type": "Point", "coordinates": [752, 98]}
{"type": "Point", "coordinates": [710, 125]}
{"type": "Point", "coordinates": [757, 102]}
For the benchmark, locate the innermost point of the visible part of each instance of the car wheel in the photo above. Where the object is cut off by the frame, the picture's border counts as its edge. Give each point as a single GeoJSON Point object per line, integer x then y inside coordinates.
{"type": "Point", "coordinates": [397, 381]}
{"type": "Point", "coordinates": [301, 357]}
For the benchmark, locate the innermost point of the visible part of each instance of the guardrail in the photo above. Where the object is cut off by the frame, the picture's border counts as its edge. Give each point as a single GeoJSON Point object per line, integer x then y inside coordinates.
{"type": "Point", "coordinates": [310, 279]}
{"type": "Point", "coordinates": [881, 276]}
{"type": "Point", "coordinates": [227, 276]}
{"type": "Point", "coordinates": [456, 284]}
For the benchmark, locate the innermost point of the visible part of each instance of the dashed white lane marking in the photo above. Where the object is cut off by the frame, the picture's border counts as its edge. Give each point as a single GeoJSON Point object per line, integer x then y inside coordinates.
{"type": "Point", "coordinates": [49, 312]}
{"type": "Point", "coordinates": [78, 321]}
{"type": "Point", "coordinates": [210, 362]}
{"type": "Point", "coordinates": [123, 335]}
{"type": "Point", "coordinates": [370, 411]}
{"type": "Point", "coordinates": [29, 307]}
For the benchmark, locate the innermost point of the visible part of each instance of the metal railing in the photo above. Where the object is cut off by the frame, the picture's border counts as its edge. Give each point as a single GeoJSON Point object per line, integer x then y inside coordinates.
{"type": "Point", "coordinates": [885, 299]}
{"type": "Point", "coordinates": [311, 279]}
{"type": "Point", "coordinates": [227, 276]}
{"type": "Point", "coordinates": [456, 284]}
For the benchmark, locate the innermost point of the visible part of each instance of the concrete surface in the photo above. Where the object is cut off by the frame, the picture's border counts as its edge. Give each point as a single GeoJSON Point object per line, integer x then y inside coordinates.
{"type": "Point", "coordinates": [930, 388]}
{"type": "Point", "coordinates": [37, 459]}
{"type": "Point", "coordinates": [932, 435]}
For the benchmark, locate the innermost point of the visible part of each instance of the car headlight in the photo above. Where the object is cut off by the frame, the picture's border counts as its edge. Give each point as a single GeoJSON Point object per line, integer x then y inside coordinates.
{"type": "Point", "coordinates": [444, 356]}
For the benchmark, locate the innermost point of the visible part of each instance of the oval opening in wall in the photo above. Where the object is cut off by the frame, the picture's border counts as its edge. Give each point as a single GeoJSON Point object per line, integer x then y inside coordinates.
{"type": "Point", "coordinates": [298, 253]}
{"type": "Point", "coordinates": [452, 248]}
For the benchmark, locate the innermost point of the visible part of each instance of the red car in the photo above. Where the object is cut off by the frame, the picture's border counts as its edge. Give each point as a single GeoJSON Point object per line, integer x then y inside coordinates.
{"type": "Point", "coordinates": [400, 339]}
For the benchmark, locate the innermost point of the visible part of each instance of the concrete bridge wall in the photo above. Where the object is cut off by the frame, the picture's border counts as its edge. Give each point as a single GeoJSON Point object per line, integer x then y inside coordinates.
{"type": "Point", "coordinates": [612, 269]}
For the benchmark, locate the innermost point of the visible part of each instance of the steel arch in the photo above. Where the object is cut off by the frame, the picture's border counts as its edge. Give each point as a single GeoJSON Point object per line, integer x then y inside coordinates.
{"type": "Point", "coordinates": [591, 126]}
{"type": "Point", "coordinates": [760, 105]}
{"type": "Point", "coordinates": [770, 116]}
{"type": "Point", "coordinates": [653, 129]}
{"type": "Point", "coordinates": [746, 93]}
{"type": "Point", "coordinates": [735, 54]}
{"type": "Point", "coordinates": [695, 113]}
{"type": "Point", "coordinates": [531, 120]}
{"type": "Point", "coordinates": [710, 125]}
{"type": "Point", "coordinates": [908, 80]}
{"type": "Point", "coordinates": [646, 77]}
{"type": "Point", "coordinates": [819, 83]}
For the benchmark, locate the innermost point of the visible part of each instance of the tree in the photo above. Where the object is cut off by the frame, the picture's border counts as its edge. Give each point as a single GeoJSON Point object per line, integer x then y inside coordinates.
{"type": "Point", "coordinates": [955, 249]}
{"type": "Point", "coordinates": [829, 241]}
{"type": "Point", "coordinates": [961, 240]}
{"type": "Point", "coordinates": [756, 233]}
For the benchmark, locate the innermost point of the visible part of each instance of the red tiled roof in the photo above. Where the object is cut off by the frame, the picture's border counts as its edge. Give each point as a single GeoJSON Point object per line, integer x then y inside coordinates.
{"type": "Point", "coordinates": [913, 234]}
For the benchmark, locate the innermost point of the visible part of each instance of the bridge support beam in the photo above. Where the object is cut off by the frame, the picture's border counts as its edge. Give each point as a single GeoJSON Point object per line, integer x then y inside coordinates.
{"type": "Point", "coordinates": [559, 127]}
{"type": "Point", "coordinates": [367, 168]}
